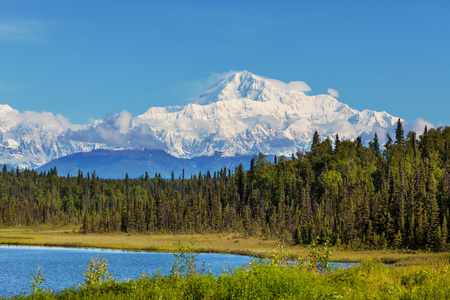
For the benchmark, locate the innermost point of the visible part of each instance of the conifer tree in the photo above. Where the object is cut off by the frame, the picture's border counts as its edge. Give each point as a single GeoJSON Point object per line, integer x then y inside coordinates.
{"type": "Point", "coordinates": [337, 142]}
{"type": "Point", "coordinates": [399, 133]}
{"type": "Point", "coordinates": [315, 141]}
{"type": "Point", "coordinates": [124, 216]}
{"type": "Point", "coordinates": [375, 146]}
{"type": "Point", "coordinates": [424, 143]}
{"type": "Point", "coordinates": [444, 231]}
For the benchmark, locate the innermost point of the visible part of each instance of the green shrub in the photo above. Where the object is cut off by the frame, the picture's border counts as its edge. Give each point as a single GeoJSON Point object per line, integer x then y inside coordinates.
{"type": "Point", "coordinates": [38, 279]}
{"type": "Point", "coordinates": [319, 256]}
{"type": "Point", "coordinates": [415, 278]}
{"type": "Point", "coordinates": [97, 272]}
{"type": "Point", "coordinates": [266, 279]}
{"type": "Point", "coordinates": [185, 261]}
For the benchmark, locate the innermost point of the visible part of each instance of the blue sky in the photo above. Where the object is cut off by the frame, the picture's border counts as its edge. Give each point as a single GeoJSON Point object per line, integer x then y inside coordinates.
{"type": "Point", "coordinates": [84, 59]}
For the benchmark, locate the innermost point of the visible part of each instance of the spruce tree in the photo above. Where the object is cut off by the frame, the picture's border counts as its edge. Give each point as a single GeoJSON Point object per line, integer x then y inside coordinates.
{"type": "Point", "coordinates": [424, 143]}
{"type": "Point", "coordinates": [337, 143]}
{"type": "Point", "coordinates": [315, 141]}
{"type": "Point", "coordinates": [399, 133]}
{"type": "Point", "coordinates": [444, 231]}
{"type": "Point", "coordinates": [375, 145]}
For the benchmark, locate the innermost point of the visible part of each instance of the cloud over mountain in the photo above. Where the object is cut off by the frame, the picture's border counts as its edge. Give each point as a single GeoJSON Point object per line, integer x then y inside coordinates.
{"type": "Point", "coordinates": [118, 131]}
{"type": "Point", "coordinates": [299, 86]}
{"type": "Point", "coordinates": [333, 93]}
{"type": "Point", "coordinates": [419, 125]}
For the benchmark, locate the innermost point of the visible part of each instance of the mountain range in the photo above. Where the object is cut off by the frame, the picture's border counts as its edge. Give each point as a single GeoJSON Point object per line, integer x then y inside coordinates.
{"type": "Point", "coordinates": [135, 163]}
{"type": "Point", "coordinates": [242, 115]}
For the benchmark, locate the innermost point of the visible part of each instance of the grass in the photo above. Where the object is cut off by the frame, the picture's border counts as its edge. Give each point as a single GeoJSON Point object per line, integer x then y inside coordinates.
{"type": "Point", "coordinates": [206, 243]}
{"type": "Point", "coordinates": [264, 279]}
{"type": "Point", "coordinates": [268, 280]}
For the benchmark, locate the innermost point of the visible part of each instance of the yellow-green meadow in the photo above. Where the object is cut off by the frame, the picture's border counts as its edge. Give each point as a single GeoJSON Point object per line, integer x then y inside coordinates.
{"type": "Point", "coordinates": [217, 243]}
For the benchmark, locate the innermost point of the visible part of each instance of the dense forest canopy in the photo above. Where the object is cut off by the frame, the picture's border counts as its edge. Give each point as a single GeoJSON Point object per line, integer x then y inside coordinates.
{"type": "Point", "coordinates": [396, 195]}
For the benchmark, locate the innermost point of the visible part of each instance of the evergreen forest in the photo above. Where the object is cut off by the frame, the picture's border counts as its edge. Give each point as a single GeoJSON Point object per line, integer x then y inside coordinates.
{"type": "Point", "coordinates": [395, 195]}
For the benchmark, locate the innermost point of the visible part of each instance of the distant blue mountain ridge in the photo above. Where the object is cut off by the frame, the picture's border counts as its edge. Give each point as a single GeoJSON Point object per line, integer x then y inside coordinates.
{"type": "Point", "coordinates": [118, 163]}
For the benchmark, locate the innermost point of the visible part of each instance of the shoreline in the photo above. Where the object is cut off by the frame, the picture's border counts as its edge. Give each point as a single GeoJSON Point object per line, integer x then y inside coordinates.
{"type": "Point", "coordinates": [202, 243]}
{"type": "Point", "coordinates": [198, 251]}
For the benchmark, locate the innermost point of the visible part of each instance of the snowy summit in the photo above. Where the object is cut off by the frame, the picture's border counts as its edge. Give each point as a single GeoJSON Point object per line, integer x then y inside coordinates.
{"type": "Point", "coordinates": [245, 113]}
{"type": "Point", "coordinates": [242, 114]}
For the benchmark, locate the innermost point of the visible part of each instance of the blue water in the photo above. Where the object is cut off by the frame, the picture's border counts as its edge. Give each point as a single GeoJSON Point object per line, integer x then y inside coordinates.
{"type": "Point", "coordinates": [64, 267]}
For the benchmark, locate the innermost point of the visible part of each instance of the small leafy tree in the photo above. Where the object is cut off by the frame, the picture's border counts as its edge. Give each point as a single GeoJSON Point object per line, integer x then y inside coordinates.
{"type": "Point", "coordinates": [38, 279]}
{"type": "Point", "coordinates": [185, 260]}
{"type": "Point", "coordinates": [279, 257]}
{"type": "Point", "coordinates": [319, 256]}
{"type": "Point", "coordinates": [97, 272]}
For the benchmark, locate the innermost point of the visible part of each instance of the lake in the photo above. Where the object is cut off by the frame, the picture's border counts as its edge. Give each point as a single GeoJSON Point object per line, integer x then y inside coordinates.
{"type": "Point", "coordinates": [64, 267]}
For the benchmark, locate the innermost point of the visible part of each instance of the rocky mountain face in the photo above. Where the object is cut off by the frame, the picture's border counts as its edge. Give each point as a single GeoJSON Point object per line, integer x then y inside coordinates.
{"type": "Point", "coordinates": [243, 114]}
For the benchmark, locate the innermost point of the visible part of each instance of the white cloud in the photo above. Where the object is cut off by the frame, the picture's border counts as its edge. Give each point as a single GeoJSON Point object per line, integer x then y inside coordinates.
{"type": "Point", "coordinates": [419, 125]}
{"type": "Point", "coordinates": [23, 30]}
{"type": "Point", "coordinates": [10, 117]}
{"type": "Point", "coordinates": [48, 120]}
{"type": "Point", "coordinates": [123, 121]}
{"type": "Point", "coordinates": [333, 93]}
{"type": "Point", "coordinates": [118, 131]}
{"type": "Point", "coordinates": [299, 86]}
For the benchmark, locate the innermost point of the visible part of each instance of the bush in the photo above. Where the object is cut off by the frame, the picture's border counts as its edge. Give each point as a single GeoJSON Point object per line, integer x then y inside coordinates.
{"type": "Point", "coordinates": [319, 256]}
{"type": "Point", "coordinates": [97, 272]}
{"type": "Point", "coordinates": [185, 261]}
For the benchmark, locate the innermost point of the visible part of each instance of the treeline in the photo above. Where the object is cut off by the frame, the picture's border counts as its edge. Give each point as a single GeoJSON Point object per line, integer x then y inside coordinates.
{"type": "Point", "coordinates": [351, 194]}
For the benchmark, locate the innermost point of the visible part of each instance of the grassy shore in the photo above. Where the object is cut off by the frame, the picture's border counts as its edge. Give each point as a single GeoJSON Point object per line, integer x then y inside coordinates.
{"type": "Point", "coordinates": [269, 280]}
{"type": "Point", "coordinates": [217, 243]}
{"type": "Point", "coordinates": [425, 277]}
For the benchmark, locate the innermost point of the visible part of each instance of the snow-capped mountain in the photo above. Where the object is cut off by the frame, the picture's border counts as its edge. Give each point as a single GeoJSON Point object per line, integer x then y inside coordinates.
{"type": "Point", "coordinates": [30, 139]}
{"type": "Point", "coordinates": [241, 115]}
{"type": "Point", "coordinates": [245, 113]}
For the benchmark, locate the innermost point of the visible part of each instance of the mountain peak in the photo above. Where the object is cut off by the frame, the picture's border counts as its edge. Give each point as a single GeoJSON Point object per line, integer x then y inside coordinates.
{"type": "Point", "coordinates": [5, 107]}
{"type": "Point", "coordinates": [243, 113]}
{"type": "Point", "coordinates": [235, 86]}
{"type": "Point", "coordinates": [246, 85]}
{"type": "Point", "coordinates": [243, 76]}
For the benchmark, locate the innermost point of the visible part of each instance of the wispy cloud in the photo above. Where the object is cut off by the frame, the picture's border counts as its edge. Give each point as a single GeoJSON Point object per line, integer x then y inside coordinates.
{"type": "Point", "coordinates": [6, 87]}
{"type": "Point", "coordinates": [3, 87]}
{"type": "Point", "coordinates": [23, 30]}
{"type": "Point", "coordinates": [333, 93]}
